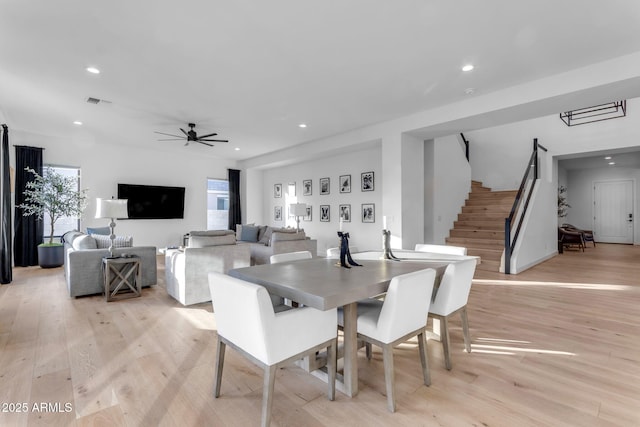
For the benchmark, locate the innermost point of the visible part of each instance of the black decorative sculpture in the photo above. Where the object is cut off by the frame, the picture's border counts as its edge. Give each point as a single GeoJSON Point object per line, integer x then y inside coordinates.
{"type": "Point", "coordinates": [386, 246]}
{"type": "Point", "coordinates": [345, 255]}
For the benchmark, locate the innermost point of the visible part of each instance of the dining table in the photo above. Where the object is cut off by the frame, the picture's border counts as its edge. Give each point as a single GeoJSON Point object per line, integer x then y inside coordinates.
{"type": "Point", "coordinates": [323, 284]}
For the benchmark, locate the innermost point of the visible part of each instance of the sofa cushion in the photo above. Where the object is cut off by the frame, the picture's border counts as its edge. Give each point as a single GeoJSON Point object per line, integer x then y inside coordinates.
{"type": "Point", "coordinates": [279, 236]}
{"type": "Point", "coordinates": [99, 230]}
{"type": "Point", "coordinates": [104, 242]}
{"type": "Point", "coordinates": [212, 233]}
{"type": "Point", "coordinates": [239, 230]}
{"type": "Point", "coordinates": [84, 241]}
{"type": "Point", "coordinates": [198, 241]}
{"type": "Point", "coordinates": [70, 236]}
{"type": "Point", "coordinates": [249, 233]}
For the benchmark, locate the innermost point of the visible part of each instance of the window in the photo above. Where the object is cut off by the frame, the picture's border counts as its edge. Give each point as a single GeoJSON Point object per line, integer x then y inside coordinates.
{"type": "Point", "coordinates": [217, 204]}
{"type": "Point", "coordinates": [64, 224]}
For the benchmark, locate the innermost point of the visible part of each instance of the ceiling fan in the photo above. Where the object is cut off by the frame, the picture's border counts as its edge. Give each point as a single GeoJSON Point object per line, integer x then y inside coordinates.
{"type": "Point", "coordinates": [192, 136]}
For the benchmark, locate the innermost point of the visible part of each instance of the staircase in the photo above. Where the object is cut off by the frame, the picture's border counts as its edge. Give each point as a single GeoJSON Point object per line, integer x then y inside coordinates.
{"type": "Point", "coordinates": [480, 226]}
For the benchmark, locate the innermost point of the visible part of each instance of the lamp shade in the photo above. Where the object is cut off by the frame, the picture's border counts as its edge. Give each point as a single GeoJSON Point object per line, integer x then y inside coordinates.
{"type": "Point", "coordinates": [111, 208]}
{"type": "Point", "coordinates": [299, 209]}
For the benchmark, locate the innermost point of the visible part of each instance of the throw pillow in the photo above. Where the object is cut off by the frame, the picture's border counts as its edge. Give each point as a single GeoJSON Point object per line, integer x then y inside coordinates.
{"type": "Point", "coordinates": [249, 233]}
{"type": "Point", "coordinates": [84, 242]}
{"type": "Point", "coordinates": [266, 236]}
{"type": "Point", "coordinates": [239, 230]}
{"type": "Point", "coordinates": [103, 242]}
{"type": "Point", "coordinates": [99, 230]}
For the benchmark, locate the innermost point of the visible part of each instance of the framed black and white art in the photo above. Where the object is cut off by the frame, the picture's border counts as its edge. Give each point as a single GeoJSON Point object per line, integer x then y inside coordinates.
{"type": "Point", "coordinates": [345, 183]}
{"type": "Point", "coordinates": [277, 190]}
{"type": "Point", "coordinates": [277, 213]}
{"type": "Point", "coordinates": [324, 186]}
{"type": "Point", "coordinates": [306, 187]}
{"type": "Point", "coordinates": [345, 213]}
{"type": "Point", "coordinates": [367, 181]}
{"type": "Point", "coordinates": [325, 213]}
{"type": "Point", "coordinates": [368, 212]}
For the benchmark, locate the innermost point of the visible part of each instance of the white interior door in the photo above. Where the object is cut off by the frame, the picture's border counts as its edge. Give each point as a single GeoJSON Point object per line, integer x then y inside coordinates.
{"type": "Point", "coordinates": [613, 211]}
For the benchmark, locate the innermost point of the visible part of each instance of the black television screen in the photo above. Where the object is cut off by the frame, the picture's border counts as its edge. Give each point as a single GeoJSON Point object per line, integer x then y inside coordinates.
{"type": "Point", "coordinates": [152, 201]}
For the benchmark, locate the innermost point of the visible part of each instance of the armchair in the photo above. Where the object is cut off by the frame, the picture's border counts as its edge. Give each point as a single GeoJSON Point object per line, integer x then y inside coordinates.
{"type": "Point", "coordinates": [567, 238]}
{"type": "Point", "coordinates": [587, 235]}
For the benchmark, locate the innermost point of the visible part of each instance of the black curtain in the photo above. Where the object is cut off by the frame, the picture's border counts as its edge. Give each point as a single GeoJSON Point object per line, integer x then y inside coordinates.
{"type": "Point", "coordinates": [235, 215]}
{"type": "Point", "coordinates": [6, 273]}
{"type": "Point", "coordinates": [29, 229]}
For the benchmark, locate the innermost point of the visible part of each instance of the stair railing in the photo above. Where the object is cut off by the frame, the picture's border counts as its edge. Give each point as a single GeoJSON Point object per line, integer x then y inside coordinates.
{"type": "Point", "coordinates": [466, 145]}
{"type": "Point", "coordinates": [519, 209]}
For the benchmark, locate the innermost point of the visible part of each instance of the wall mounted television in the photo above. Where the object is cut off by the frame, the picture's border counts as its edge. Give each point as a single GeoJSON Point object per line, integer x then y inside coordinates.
{"type": "Point", "coordinates": [152, 201]}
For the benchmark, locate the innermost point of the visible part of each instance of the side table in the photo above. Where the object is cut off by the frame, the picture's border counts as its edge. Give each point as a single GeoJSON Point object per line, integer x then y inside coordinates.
{"type": "Point", "coordinates": [122, 277]}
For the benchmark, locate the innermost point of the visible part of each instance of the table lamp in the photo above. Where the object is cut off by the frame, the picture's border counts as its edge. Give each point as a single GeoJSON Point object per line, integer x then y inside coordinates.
{"type": "Point", "coordinates": [298, 210]}
{"type": "Point", "coordinates": [112, 209]}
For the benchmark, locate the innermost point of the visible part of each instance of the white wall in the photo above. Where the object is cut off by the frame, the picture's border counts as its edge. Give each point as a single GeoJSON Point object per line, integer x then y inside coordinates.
{"type": "Point", "coordinates": [451, 186]}
{"type": "Point", "coordinates": [581, 200]}
{"type": "Point", "coordinates": [103, 166]}
{"type": "Point", "coordinates": [363, 235]}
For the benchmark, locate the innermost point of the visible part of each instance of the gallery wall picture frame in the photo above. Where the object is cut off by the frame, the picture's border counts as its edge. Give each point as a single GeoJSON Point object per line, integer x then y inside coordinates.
{"type": "Point", "coordinates": [367, 181]}
{"type": "Point", "coordinates": [277, 191]}
{"type": "Point", "coordinates": [307, 187]}
{"type": "Point", "coordinates": [368, 212]}
{"type": "Point", "coordinates": [345, 183]}
{"type": "Point", "coordinates": [309, 215]}
{"type": "Point", "coordinates": [325, 186]}
{"type": "Point", "coordinates": [345, 213]}
{"type": "Point", "coordinates": [277, 213]}
{"type": "Point", "coordinates": [325, 213]}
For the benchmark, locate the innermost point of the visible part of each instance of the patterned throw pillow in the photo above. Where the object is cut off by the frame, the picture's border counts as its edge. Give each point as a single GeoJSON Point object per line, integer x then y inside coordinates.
{"type": "Point", "coordinates": [103, 242]}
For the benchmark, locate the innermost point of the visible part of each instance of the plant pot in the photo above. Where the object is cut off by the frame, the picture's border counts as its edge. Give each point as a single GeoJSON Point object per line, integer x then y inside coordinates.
{"type": "Point", "coordinates": [50, 256]}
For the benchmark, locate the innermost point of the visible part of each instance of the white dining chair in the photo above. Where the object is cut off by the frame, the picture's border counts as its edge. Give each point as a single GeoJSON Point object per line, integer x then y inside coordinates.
{"type": "Point", "coordinates": [334, 253]}
{"type": "Point", "coordinates": [279, 303]}
{"type": "Point", "coordinates": [441, 249]}
{"type": "Point", "coordinates": [451, 298]}
{"type": "Point", "coordinates": [247, 323]}
{"type": "Point", "coordinates": [400, 316]}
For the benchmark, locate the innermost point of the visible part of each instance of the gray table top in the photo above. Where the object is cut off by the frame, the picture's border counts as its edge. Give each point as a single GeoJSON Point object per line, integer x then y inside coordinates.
{"type": "Point", "coordinates": [319, 283]}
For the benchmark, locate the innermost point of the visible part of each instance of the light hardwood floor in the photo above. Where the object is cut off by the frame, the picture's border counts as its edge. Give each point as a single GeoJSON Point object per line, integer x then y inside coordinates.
{"type": "Point", "coordinates": [558, 345]}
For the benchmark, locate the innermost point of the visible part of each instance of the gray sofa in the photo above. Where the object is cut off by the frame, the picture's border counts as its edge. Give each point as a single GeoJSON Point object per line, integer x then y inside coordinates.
{"type": "Point", "coordinates": [83, 263]}
{"type": "Point", "coordinates": [187, 270]}
{"type": "Point", "coordinates": [265, 241]}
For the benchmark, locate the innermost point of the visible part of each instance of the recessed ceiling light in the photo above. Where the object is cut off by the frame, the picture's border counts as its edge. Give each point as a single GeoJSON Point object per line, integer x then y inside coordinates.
{"type": "Point", "coordinates": [467, 67]}
{"type": "Point", "coordinates": [237, 148]}
{"type": "Point", "coordinates": [93, 70]}
{"type": "Point", "coordinates": [608, 158]}
{"type": "Point", "coordinates": [469, 91]}
{"type": "Point", "coordinates": [612, 163]}
{"type": "Point", "coordinates": [302, 125]}
{"type": "Point", "coordinates": [77, 123]}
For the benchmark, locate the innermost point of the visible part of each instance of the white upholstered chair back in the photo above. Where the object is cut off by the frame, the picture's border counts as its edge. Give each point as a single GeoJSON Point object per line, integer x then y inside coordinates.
{"type": "Point", "coordinates": [441, 249]}
{"type": "Point", "coordinates": [245, 316]}
{"type": "Point", "coordinates": [404, 309]}
{"type": "Point", "coordinates": [290, 256]}
{"type": "Point", "coordinates": [334, 253]}
{"type": "Point", "coordinates": [454, 289]}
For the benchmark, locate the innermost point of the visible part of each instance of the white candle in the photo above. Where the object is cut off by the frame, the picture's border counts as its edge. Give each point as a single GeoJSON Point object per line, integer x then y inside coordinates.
{"type": "Point", "coordinates": [384, 222]}
{"type": "Point", "coordinates": [341, 220]}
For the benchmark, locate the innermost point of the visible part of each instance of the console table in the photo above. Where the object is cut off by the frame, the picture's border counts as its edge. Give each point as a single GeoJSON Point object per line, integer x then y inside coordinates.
{"type": "Point", "coordinates": [122, 277]}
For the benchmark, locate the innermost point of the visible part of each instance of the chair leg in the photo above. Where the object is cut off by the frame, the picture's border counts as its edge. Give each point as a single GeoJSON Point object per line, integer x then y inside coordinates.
{"type": "Point", "coordinates": [465, 329]}
{"type": "Point", "coordinates": [367, 349]}
{"type": "Point", "coordinates": [219, 366]}
{"type": "Point", "coordinates": [389, 377]}
{"type": "Point", "coordinates": [267, 394]}
{"type": "Point", "coordinates": [331, 367]}
{"type": "Point", "coordinates": [444, 337]}
{"type": "Point", "coordinates": [424, 359]}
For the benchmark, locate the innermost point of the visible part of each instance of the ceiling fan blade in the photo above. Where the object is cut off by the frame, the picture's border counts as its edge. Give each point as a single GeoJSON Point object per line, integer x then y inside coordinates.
{"type": "Point", "coordinates": [172, 139]}
{"type": "Point", "coordinates": [207, 136]}
{"type": "Point", "coordinates": [184, 131]}
{"type": "Point", "coordinates": [214, 140]}
{"type": "Point", "coordinates": [169, 134]}
{"type": "Point", "coordinates": [200, 141]}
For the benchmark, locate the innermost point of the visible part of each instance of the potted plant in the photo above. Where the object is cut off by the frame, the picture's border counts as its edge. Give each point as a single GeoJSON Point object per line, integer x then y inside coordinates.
{"type": "Point", "coordinates": [55, 195]}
